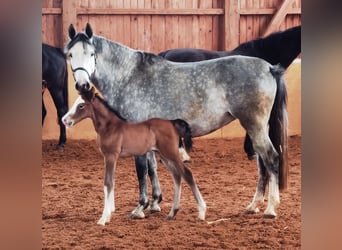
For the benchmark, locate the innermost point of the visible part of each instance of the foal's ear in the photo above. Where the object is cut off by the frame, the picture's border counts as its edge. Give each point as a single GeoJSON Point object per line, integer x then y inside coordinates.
{"type": "Point", "coordinates": [87, 95]}
{"type": "Point", "coordinates": [88, 31]}
{"type": "Point", "coordinates": [72, 31]}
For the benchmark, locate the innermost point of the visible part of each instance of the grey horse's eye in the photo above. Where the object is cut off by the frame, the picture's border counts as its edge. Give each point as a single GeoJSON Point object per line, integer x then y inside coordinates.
{"type": "Point", "coordinates": [70, 55]}
{"type": "Point", "coordinates": [92, 54]}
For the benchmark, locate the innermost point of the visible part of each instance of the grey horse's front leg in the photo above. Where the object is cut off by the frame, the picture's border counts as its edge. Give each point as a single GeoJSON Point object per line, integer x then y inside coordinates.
{"type": "Point", "coordinates": [156, 190]}
{"type": "Point", "coordinates": [147, 164]}
{"type": "Point", "coordinates": [141, 166]}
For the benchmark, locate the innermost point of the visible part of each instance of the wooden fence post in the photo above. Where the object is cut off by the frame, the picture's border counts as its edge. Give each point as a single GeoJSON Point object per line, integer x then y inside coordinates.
{"type": "Point", "coordinates": [231, 24]}
{"type": "Point", "coordinates": [69, 16]}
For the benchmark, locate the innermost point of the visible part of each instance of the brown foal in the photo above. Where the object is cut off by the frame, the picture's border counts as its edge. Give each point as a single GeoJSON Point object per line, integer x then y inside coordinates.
{"type": "Point", "coordinates": [119, 138]}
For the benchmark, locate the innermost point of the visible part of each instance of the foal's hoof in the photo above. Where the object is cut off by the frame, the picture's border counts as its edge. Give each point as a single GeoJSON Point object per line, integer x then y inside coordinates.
{"type": "Point", "coordinates": [269, 216]}
{"type": "Point", "coordinates": [102, 221]}
{"type": "Point", "coordinates": [252, 211]}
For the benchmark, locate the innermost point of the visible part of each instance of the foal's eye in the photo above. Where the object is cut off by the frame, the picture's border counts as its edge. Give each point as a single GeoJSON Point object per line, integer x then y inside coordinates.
{"type": "Point", "coordinates": [81, 106]}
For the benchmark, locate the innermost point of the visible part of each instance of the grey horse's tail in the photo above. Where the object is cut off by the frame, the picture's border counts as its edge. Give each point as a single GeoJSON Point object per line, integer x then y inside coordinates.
{"type": "Point", "coordinates": [278, 125]}
{"type": "Point", "coordinates": [184, 131]}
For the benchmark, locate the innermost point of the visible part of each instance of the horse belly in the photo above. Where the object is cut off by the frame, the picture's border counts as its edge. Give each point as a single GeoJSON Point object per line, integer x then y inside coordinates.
{"type": "Point", "coordinates": [137, 142]}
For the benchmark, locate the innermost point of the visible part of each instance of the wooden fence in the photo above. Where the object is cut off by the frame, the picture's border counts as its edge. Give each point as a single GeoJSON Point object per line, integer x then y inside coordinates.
{"type": "Point", "coordinates": [157, 25]}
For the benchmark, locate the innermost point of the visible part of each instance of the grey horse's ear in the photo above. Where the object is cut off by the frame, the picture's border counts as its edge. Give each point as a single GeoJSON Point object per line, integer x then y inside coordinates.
{"type": "Point", "coordinates": [72, 31]}
{"type": "Point", "coordinates": [88, 31]}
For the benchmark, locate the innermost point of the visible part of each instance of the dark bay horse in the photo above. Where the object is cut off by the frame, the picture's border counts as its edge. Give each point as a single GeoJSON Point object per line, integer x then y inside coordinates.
{"type": "Point", "coordinates": [118, 138]}
{"type": "Point", "coordinates": [207, 95]}
{"type": "Point", "coordinates": [55, 79]}
{"type": "Point", "coordinates": [277, 48]}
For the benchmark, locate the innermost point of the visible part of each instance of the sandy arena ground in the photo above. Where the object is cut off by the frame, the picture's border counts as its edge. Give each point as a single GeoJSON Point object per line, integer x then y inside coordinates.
{"type": "Point", "coordinates": [72, 202]}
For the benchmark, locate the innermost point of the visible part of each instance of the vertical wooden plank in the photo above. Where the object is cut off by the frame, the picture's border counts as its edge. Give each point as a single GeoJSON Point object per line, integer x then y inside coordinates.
{"type": "Point", "coordinates": [195, 26]}
{"type": "Point", "coordinates": [181, 26]}
{"type": "Point", "coordinates": [215, 27]}
{"type": "Point", "coordinates": [205, 23]}
{"type": "Point", "coordinates": [249, 21]}
{"type": "Point", "coordinates": [158, 28]}
{"type": "Point", "coordinates": [175, 27]}
{"type": "Point", "coordinates": [262, 19]}
{"type": "Point", "coordinates": [232, 21]}
{"type": "Point", "coordinates": [148, 27]}
{"type": "Point", "coordinates": [188, 28]}
{"type": "Point", "coordinates": [140, 27]}
{"type": "Point", "coordinates": [126, 25]}
{"type": "Point", "coordinates": [68, 17]}
{"type": "Point", "coordinates": [256, 21]}
{"type": "Point", "coordinates": [82, 20]}
{"type": "Point", "coordinates": [243, 24]}
{"type": "Point", "coordinates": [169, 27]}
{"type": "Point", "coordinates": [119, 28]}
{"type": "Point", "coordinates": [134, 26]}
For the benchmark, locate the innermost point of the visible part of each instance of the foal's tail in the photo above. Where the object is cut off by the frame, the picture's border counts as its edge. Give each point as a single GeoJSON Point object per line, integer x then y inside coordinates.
{"type": "Point", "coordinates": [184, 131]}
{"type": "Point", "coordinates": [278, 125]}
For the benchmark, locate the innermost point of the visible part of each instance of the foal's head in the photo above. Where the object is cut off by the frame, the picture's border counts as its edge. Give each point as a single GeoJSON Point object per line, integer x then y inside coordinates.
{"type": "Point", "coordinates": [81, 109]}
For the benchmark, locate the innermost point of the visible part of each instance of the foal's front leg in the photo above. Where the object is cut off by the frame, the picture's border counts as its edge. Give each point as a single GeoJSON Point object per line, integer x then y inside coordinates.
{"type": "Point", "coordinates": [108, 188]}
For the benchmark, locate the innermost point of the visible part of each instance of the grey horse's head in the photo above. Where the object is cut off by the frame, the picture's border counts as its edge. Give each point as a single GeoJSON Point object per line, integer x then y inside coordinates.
{"type": "Point", "coordinates": [81, 56]}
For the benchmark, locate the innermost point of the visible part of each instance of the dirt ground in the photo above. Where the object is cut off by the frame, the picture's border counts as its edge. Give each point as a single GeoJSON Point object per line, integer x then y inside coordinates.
{"type": "Point", "coordinates": [72, 202]}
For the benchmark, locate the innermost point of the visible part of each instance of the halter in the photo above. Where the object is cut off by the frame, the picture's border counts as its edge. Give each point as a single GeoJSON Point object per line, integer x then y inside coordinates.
{"type": "Point", "coordinates": [83, 69]}
{"type": "Point", "coordinates": [80, 68]}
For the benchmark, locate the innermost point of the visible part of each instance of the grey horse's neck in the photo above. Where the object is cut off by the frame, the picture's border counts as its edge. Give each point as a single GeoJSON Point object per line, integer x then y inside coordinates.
{"type": "Point", "coordinates": [114, 62]}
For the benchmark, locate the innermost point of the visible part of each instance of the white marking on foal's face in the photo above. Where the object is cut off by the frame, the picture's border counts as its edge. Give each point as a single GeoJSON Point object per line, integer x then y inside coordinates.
{"type": "Point", "coordinates": [69, 119]}
{"type": "Point", "coordinates": [80, 56]}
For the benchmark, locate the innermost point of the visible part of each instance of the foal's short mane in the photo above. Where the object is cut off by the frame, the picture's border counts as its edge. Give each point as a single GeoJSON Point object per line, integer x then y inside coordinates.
{"type": "Point", "coordinates": [109, 107]}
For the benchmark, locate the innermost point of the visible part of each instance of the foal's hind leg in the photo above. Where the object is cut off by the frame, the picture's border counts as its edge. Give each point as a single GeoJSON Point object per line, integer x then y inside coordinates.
{"type": "Point", "coordinates": [178, 170]}
{"type": "Point", "coordinates": [187, 175]}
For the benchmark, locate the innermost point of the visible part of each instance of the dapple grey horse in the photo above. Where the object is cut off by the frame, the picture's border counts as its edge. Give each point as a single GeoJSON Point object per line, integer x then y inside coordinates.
{"type": "Point", "coordinates": [207, 95]}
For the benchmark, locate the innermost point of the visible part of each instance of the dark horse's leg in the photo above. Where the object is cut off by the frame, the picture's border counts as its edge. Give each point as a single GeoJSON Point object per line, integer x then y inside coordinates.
{"type": "Point", "coordinates": [43, 111]}
{"type": "Point", "coordinates": [248, 146]}
{"type": "Point", "coordinates": [147, 164]}
{"type": "Point", "coordinates": [62, 108]}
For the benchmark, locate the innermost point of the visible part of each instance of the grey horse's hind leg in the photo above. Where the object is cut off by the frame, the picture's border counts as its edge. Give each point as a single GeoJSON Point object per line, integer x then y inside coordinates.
{"type": "Point", "coordinates": [270, 158]}
{"type": "Point", "coordinates": [156, 190]}
{"type": "Point", "coordinates": [259, 195]}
